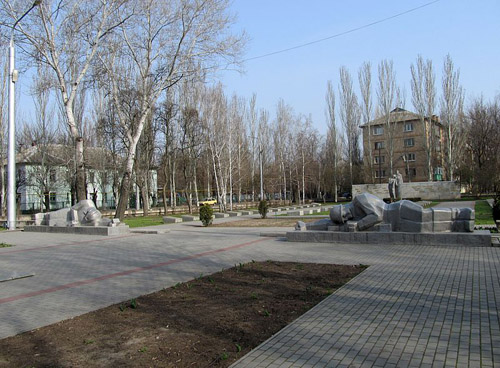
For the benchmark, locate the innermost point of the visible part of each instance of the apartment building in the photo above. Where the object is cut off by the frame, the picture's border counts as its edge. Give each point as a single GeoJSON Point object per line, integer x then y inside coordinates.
{"type": "Point", "coordinates": [405, 130]}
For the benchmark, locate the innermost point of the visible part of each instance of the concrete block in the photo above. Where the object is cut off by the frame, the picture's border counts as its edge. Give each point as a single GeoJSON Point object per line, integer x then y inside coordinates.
{"type": "Point", "coordinates": [382, 228]}
{"type": "Point", "coordinates": [234, 214]}
{"type": "Point", "coordinates": [221, 215]}
{"type": "Point", "coordinates": [322, 225]}
{"type": "Point", "coordinates": [463, 225]}
{"type": "Point", "coordinates": [171, 220]}
{"type": "Point", "coordinates": [307, 212]}
{"type": "Point", "coordinates": [296, 213]}
{"type": "Point", "coordinates": [413, 212]}
{"type": "Point", "coordinates": [246, 213]}
{"type": "Point", "coordinates": [441, 214]}
{"type": "Point", "coordinates": [188, 218]}
{"type": "Point", "coordinates": [81, 230]}
{"type": "Point", "coordinates": [442, 226]}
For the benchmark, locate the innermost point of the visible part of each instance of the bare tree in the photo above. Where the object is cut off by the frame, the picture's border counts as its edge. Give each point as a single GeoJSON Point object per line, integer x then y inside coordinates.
{"type": "Point", "coordinates": [350, 117]}
{"type": "Point", "coordinates": [252, 125]}
{"type": "Point", "coordinates": [263, 146]}
{"type": "Point", "coordinates": [39, 140]}
{"type": "Point", "coordinates": [284, 117]}
{"type": "Point", "coordinates": [387, 94]}
{"type": "Point", "coordinates": [483, 121]}
{"type": "Point", "coordinates": [158, 49]}
{"type": "Point", "coordinates": [332, 146]}
{"type": "Point", "coordinates": [66, 35]}
{"type": "Point", "coordinates": [365, 85]}
{"type": "Point", "coordinates": [451, 112]}
{"type": "Point", "coordinates": [423, 99]}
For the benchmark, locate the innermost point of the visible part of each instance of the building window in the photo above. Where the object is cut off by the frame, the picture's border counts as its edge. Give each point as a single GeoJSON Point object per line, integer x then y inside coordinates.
{"type": "Point", "coordinates": [91, 177]}
{"type": "Point", "coordinates": [52, 197]}
{"type": "Point", "coordinates": [379, 145]}
{"type": "Point", "coordinates": [379, 159]}
{"type": "Point", "coordinates": [380, 174]}
{"type": "Point", "coordinates": [411, 172]}
{"type": "Point", "coordinates": [378, 130]}
{"type": "Point", "coordinates": [410, 157]}
{"type": "Point", "coordinates": [53, 175]}
{"type": "Point", "coordinates": [409, 142]}
{"type": "Point", "coordinates": [408, 127]}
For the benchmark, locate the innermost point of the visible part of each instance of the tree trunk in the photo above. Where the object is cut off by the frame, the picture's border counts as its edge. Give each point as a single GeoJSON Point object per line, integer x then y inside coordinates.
{"type": "Point", "coordinates": [145, 197]}
{"type": "Point", "coordinates": [81, 190]}
{"type": "Point", "coordinates": [124, 195]}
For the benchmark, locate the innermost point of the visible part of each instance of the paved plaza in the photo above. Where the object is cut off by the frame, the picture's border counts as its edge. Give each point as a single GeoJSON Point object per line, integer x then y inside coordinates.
{"type": "Point", "coordinates": [414, 305]}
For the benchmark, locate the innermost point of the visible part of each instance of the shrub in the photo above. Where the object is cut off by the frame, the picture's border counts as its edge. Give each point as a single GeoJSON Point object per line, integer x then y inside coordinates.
{"type": "Point", "coordinates": [263, 207]}
{"type": "Point", "coordinates": [206, 215]}
{"type": "Point", "coordinates": [496, 208]}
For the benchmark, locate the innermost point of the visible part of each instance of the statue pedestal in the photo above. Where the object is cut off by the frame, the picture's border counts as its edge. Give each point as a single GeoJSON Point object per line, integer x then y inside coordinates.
{"type": "Point", "coordinates": [82, 230]}
{"type": "Point", "coordinates": [478, 238]}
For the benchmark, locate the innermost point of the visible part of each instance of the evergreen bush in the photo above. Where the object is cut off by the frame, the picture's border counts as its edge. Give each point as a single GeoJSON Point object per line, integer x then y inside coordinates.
{"type": "Point", "coordinates": [206, 215]}
{"type": "Point", "coordinates": [263, 207]}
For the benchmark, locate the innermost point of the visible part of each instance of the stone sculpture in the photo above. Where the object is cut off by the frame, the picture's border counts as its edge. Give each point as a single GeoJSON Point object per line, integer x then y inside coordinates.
{"type": "Point", "coordinates": [392, 183]}
{"type": "Point", "coordinates": [398, 185]}
{"type": "Point", "coordinates": [367, 212]}
{"type": "Point", "coordinates": [84, 213]}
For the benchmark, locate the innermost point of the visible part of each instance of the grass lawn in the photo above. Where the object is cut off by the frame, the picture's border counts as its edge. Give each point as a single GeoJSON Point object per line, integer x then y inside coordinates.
{"type": "Point", "coordinates": [484, 215]}
{"type": "Point", "coordinates": [143, 221]}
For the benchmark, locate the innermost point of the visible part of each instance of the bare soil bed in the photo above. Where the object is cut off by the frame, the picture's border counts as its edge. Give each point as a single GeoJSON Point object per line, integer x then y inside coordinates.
{"type": "Point", "coordinates": [210, 321]}
{"type": "Point", "coordinates": [268, 222]}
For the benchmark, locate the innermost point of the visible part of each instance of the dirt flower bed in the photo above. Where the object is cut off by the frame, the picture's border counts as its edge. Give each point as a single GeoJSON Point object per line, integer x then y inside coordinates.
{"type": "Point", "coordinates": [269, 222]}
{"type": "Point", "coordinates": [210, 321]}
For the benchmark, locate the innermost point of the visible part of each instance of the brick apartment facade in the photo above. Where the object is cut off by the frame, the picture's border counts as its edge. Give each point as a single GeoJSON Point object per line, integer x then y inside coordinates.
{"type": "Point", "coordinates": [409, 153]}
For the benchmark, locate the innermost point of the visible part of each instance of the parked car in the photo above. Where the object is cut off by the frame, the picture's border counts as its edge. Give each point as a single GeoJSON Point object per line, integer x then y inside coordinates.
{"type": "Point", "coordinates": [210, 201]}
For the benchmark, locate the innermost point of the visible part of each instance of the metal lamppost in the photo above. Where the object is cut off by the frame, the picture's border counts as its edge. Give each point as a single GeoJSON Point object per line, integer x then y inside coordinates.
{"type": "Point", "coordinates": [11, 154]}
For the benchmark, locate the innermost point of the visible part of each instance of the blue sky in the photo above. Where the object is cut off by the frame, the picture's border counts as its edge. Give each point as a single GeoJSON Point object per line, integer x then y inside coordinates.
{"type": "Point", "coordinates": [467, 30]}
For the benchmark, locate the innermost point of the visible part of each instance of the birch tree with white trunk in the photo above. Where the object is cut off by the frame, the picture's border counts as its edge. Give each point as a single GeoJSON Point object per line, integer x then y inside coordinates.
{"type": "Point", "coordinates": [452, 99]}
{"type": "Point", "coordinates": [65, 35]}
{"type": "Point", "coordinates": [156, 49]}
{"type": "Point", "coordinates": [387, 94]}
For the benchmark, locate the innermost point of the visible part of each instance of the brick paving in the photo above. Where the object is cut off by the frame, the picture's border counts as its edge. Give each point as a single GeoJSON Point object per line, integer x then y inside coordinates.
{"type": "Point", "coordinates": [414, 306]}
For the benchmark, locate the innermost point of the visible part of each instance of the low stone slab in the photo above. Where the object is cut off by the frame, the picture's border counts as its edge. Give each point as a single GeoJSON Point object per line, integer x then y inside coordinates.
{"type": "Point", "coordinates": [234, 214]}
{"type": "Point", "coordinates": [188, 218]}
{"type": "Point", "coordinates": [271, 234]}
{"type": "Point", "coordinates": [80, 230]}
{"type": "Point", "coordinates": [296, 213]}
{"type": "Point", "coordinates": [144, 231]}
{"type": "Point", "coordinates": [171, 220]}
{"type": "Point", "coordinates": [221, 215]}
{"type": "Point", "coordinates": [246, 213]}
{"type": "Point", "coordinates": [479, 238]}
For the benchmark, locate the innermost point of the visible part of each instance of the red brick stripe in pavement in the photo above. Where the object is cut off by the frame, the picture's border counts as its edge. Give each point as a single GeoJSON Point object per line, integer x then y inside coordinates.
{"type": "Point", "coordinates": [66, 244]}
{"type": "Point", "coordinates": [124, 273]}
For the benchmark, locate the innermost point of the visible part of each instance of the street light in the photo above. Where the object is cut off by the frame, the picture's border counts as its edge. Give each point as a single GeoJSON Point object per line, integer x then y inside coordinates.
{"type": "Point", "coordinates": [11, 154]}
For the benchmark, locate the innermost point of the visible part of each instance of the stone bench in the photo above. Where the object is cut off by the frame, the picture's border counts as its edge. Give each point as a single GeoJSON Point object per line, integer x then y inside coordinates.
{"type": "Point", "coordinates": [188, 218]}
{"type": "Point", "coordinates": [171, 220]}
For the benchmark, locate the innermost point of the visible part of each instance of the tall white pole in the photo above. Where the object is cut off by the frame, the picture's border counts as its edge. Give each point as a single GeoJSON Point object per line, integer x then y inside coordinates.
{"type": "Point", "coordinates": [11, 154]}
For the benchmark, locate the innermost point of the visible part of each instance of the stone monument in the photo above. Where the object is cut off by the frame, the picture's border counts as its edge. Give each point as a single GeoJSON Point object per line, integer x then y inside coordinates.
{"type": "Point", "coordinates": [368, 219]}
{"type": "Point", "coordinates": [367, 212]}
{"type": "Point", "coordinates": [84, 213]}
{"type": "Point", "coordinates": [398, 185]}
{"type": "Point", "coordinates": [82, 218]}
{"type": "Point", "coordinates": [392, 182]}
